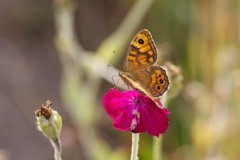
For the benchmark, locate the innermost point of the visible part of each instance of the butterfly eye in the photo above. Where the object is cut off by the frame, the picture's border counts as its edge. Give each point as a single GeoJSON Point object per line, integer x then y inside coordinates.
{"type": "Point", "coordinates": [161, 81]}
{"type": "Point", "coordinates": [140, 41]}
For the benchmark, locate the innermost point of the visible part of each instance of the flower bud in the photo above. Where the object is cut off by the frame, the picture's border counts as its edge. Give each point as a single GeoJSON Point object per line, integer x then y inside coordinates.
{"type": "Point", "coordinates": [49, 122]}
{"type": "Point", "coordinates": [176, 79]}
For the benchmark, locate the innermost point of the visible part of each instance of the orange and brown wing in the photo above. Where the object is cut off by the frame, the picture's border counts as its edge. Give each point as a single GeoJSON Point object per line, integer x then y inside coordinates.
{"type": "Point", "coordinates": [142, 52]}
{"type": "Point", "coordinates": [159, 81]}
{"type": "Point", "coordinates": [152, 81]}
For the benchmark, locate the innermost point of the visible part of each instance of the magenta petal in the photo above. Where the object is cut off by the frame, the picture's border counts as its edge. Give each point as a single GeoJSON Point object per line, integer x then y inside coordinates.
{"type": "Point", "coordinates": [108, 97]}
{"type": "Point", "coordinates": [113, 103]}
{"type": "Point", "coordinates": [118, 106]}
{"type": "Point", "coordinates": [123, 121]}
{"type": "Point", "coordinates": [133, 111]}
{"type": "Point", "coordinates": [153, 118]}
{"type": "Point", "coordinates": [166, 111]}
{"type": "Point", "coordinates": [139, 128]}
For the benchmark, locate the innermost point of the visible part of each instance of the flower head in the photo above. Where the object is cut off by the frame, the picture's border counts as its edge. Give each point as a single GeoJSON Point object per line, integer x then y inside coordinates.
{"type": "Point", "coordinates": [49, 122]}
{"type": "Point", "coordinates": [133, 111]}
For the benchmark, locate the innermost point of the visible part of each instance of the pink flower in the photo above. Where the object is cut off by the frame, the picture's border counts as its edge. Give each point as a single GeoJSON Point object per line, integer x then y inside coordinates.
{"type": "Point", "coordinates": [132, 111]}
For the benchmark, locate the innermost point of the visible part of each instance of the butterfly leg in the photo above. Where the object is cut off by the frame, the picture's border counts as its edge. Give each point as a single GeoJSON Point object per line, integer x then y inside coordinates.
{"type": "Point", "coordinates": [158, 103]}
{"type": "Point", "coordinates": [117, 83]}
{"type": "Point", "coordinates": [114, 80]}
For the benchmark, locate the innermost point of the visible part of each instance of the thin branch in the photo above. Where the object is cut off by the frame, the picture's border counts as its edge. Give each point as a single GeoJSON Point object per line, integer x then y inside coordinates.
{"type": "Point", "coordinates": [57, 149]}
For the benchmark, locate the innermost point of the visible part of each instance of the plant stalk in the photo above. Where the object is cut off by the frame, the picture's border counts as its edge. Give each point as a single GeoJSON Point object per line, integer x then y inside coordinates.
{"type": "Point", "coordinates": [135, 140]}
{"type": "Point", "coordinates": [57, 149]}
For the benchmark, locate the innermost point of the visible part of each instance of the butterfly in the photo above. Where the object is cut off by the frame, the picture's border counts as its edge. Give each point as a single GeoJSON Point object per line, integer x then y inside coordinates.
{"type": "Point", "coordinates": [140, 70]}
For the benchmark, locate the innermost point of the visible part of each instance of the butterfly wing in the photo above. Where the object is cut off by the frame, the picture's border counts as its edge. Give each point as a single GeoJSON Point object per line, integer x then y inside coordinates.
{"type": "Point", "coordinates": [141, 52]}
{"type": "Point", "coordinates": [154, 80]}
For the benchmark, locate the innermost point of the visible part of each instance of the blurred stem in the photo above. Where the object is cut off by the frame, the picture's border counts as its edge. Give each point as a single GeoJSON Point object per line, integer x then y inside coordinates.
{"type": "Point", "coordinates": [176, 78]}
{"type": "Point", "coordinates": [157, 142]}
{"type": "Point", "coordinates": [135, 140]}
{"type": "Point", "coordinates": [157, 148]}
{"type": "Point", "coordinates": [81, 78]}
{"type": "Point", "coordinates": [118, 40]}
{"type": "Point", "coordinates": [57, 149]}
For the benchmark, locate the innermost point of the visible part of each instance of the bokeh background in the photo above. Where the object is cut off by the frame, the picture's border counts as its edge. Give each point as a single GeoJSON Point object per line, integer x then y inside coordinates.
{"type": "Point", "coordinates": [66, 51]}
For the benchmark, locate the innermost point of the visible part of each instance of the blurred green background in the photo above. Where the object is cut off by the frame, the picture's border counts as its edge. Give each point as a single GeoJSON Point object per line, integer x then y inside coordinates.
{"type": "Point", "coordinates": [60, 50]}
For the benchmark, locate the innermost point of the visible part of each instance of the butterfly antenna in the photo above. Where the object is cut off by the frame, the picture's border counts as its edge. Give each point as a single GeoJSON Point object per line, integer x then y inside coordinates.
{"type": "Point", "coordinates": [118, 58]}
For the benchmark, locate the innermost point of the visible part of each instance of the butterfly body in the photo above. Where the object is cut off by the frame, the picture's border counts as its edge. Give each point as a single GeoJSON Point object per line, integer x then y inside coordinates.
{"type": "Point", "coordinates": [140, 71]}
{"type": "Point", "coordinates": [129, 79]}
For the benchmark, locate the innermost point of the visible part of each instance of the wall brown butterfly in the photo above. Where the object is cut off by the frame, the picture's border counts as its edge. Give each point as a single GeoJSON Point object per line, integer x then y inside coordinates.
{"type": "Point", "coordinates": [140, 71]}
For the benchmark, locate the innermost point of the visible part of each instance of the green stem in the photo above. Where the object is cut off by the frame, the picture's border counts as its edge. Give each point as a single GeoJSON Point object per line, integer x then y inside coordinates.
{"type": "Point", "coordinates": [57, 149]}
{"type": "Point", "coordinates": [135, 140]}
{"type": "Point", "coordinates": [157, 148]}
{"type": "Point", "coordinates": [157, 142]}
